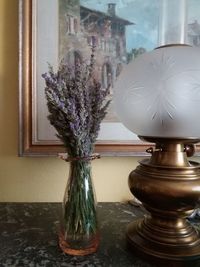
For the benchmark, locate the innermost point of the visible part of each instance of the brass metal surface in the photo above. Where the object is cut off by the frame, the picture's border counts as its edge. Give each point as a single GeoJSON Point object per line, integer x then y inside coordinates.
{"type": "Point", "coordinates": [168, 185]}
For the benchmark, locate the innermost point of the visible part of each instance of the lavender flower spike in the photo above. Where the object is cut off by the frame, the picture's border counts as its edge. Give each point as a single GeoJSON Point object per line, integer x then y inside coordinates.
{"type": "Point", "coordinates": [77, 104]}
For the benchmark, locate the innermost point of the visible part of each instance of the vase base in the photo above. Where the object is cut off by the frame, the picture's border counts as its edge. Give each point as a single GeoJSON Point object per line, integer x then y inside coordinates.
{"type": "Point", "coordinates": [80, 251]}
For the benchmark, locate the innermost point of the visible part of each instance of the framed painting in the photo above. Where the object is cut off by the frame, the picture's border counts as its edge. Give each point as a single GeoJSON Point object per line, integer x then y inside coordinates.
{"type": "Point", "coordinates": [55, 30]}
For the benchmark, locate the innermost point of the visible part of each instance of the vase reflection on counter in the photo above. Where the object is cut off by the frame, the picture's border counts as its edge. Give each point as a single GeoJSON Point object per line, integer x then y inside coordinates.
{"type": "Point", "coordinates": [79, 233]}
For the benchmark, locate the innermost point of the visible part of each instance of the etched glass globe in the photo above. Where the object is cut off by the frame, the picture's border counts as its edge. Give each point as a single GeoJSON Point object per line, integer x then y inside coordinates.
{"type": "Point", "coordinates": [158, 94]}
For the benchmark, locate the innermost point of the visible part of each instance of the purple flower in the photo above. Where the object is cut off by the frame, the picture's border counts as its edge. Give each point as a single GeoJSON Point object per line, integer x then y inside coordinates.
{"type": "Point", "coordinates": [77, 104]}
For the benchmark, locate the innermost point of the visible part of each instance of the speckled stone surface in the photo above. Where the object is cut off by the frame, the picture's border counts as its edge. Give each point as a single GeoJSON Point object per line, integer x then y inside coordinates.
{"type": "Point", "coordinates": [28, 237]}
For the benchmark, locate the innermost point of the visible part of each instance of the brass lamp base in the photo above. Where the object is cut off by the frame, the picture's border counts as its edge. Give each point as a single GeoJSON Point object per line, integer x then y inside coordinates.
{"type": "Point", "coordinates": [168, 185]}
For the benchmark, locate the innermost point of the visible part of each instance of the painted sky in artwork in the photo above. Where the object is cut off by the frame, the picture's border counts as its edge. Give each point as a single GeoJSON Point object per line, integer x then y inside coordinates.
{"type": "Point", "coordinates": [193, 11]}
{"type": "Point", "coordinates": [145, 15]}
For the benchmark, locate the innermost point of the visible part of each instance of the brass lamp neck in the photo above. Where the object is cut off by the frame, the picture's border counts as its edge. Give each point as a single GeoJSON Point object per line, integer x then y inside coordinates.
{"type": "Point", "coordinates": [170, 155]}
{"type": "Point", "coordinates": [171, 152]}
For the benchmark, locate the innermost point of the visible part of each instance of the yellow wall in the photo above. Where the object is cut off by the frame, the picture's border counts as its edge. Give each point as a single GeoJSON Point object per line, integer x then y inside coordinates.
{"type": "Point", "coordinates": [40, 179]}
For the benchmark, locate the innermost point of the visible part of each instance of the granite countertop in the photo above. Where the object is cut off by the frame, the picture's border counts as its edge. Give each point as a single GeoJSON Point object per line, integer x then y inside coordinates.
{"type": "Point", "coordinates": [28, 236]}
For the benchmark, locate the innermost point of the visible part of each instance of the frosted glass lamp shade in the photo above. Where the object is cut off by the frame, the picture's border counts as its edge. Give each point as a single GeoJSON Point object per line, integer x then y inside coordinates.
{"type": "Point", "coordinates": [158, 94]}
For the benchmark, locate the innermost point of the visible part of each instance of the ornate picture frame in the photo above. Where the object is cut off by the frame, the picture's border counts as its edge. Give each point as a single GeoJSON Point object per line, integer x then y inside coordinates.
{"type": "Point", "coordinates": [42, 28]}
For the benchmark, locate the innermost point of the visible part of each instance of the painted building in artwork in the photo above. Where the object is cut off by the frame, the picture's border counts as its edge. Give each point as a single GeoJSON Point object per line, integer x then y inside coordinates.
{"type": "Point", "coordinates": [194, 33]}
{"type": "Point", "coordinates": [79, 26]}
{"type": "Point", "coordinates": [70, 45]}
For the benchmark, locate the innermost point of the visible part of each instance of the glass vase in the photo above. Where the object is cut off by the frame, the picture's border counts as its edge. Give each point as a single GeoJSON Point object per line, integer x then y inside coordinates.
{"type": "Point", "coordinates": [79, 231]}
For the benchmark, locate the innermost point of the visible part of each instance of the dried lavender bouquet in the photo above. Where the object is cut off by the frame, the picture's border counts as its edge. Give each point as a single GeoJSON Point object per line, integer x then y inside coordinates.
{"type": "Point", "coordinates": [77, 104]}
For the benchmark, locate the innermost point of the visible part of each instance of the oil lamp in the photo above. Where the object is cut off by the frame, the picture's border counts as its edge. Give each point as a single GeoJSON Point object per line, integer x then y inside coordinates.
{"type": "Point", "coordinates": [157, 97]}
